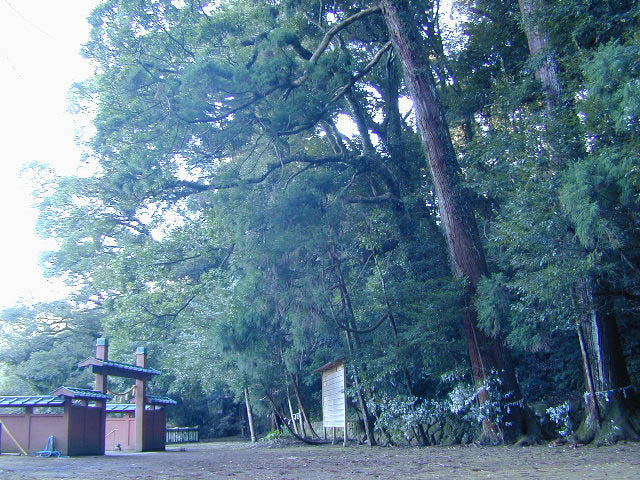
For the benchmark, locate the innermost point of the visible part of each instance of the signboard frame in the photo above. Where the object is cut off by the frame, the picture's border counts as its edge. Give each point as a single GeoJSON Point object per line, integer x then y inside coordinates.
{"type": "Point", "coordinates": [334, 397]}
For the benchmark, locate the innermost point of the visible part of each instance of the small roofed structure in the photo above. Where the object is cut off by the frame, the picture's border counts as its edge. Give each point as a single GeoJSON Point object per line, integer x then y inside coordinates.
{"type": "Point", "coordinates": [74, 416]}
{"type": "Point", "coordinates": [152, 401]}
{"type": "Point", "coordinates": [121, 424]}
{"type": "Point", "coordinates": [144, 431]}
{"type": "Point", "coordinates": [121, 407]}
{"type": "Point", "coordinates": [77, 417]}
{"type": "Point", "coordinates": [160, 401]}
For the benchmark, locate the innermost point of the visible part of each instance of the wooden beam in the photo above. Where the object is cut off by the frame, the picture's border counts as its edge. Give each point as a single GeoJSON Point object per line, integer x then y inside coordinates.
{"type": "Point", "coordinates": [6, 429]}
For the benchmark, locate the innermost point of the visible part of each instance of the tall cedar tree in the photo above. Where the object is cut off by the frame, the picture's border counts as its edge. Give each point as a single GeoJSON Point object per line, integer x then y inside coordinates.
{"type": "Point", "coordinates": [488, 356]}
{"type": "Point", "coordinates": [608, 407]}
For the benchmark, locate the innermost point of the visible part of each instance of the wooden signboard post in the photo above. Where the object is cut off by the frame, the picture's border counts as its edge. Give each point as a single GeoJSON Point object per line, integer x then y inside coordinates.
{"type": "Point", "coordinates": [334, 397]}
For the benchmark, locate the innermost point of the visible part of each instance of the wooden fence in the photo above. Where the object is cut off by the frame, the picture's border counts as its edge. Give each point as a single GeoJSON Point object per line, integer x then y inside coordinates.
{"type": "Point", "coordinates": [182, 435]}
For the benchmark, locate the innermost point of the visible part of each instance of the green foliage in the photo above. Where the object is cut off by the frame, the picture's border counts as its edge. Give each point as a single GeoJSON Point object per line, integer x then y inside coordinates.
{"type": "Point", "coordinates": [612, 86]}
{"type": "Point", "coordinates": [493, 305]}
{"type": "Point", "coordinates": [42, 345]}
{"type": "Point", "coordinates": [275, 435]}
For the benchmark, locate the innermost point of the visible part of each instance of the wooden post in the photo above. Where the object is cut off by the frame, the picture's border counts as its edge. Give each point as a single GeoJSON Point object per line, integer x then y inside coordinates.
{"type": "Point", "coordinates": [102, 353]}
{"type": "Point", "coordinates": [102, 385]}
{"type": "Point", "coordinates": [141, 391]}
{"type": "Point", "coordinates": [344, 392]}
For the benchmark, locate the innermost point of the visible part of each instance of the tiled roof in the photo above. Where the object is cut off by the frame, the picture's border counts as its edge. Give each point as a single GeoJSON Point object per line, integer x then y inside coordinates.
{"type": "Point", "coordinates": [133, 368]}
{"type": "Point", "coordinates": [108, 367]}
{"type": "Point", "coordinates": [121, 407]}
{"type": "Point", "coordinates": [130, 407]}
{"type": "Point", "coordinates": [156, 400]}
{"type": "Point", "coordinates": [56, 399]}
{"type": "Point", "coordinates": [31, 401]}
{"type": "Point", "coordinates": [82, 393]}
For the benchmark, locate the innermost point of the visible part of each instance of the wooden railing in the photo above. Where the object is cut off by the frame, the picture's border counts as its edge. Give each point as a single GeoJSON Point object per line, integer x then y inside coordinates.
{"type": "Point", "coordinates": [182, 435]}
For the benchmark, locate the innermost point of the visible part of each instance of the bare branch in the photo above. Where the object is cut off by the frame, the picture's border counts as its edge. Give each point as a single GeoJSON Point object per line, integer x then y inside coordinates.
{"type": "Point", "coordinates": [340, 92]}
{"type": "Point", "coordinates": [338, 27]}
{"type": "Point", "coordinates": [256, 98]}
{"type": "Point", "coordinates": [299, 49]}
{"type": "Point", "coordinates": [295, 175]}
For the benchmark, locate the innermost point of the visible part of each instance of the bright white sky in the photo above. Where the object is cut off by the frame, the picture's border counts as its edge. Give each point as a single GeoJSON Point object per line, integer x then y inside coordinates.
{"type": "Point", "coordinates": [40, 42]}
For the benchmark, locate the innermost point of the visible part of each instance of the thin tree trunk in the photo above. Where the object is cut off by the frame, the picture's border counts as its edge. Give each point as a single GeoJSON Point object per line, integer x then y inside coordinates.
{"type": "Point", "coordinates": [247, 402]}
{"type": "Point", "coordinates": [366, 415]}
{"type": "Point", "coordinates": [422, 436]}
{"type": "Point", "coordinates": [303, 410]}
{"type": "Point", "coordinates": [353, 343]}
{"type": "Point", "coordinates": [488, 356]}
{"type": "Point", "coordinates": [295, 426]}
{"type": "Point", "coordinates": [277, 413]}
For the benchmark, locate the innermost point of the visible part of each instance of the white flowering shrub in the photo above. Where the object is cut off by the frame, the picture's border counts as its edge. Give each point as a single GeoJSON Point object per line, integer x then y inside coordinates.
{"type": "Point", "coordinates": [559, 415]}
{"type": "Point", "coordinates": [401, 413]}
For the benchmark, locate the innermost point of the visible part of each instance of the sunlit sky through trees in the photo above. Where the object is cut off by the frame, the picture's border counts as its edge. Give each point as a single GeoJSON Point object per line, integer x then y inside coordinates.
{"type": "Point", "coordinates": [40, 42]}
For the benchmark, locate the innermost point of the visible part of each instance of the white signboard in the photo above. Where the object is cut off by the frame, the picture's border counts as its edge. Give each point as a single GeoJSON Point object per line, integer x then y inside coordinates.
{"type": "Point", "coordinates": [334, 411]}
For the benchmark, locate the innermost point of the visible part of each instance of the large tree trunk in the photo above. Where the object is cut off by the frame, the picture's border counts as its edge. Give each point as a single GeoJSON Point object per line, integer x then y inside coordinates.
{"type": "Point", "coordinates": [547, 72]}
{"type": "Point", "coordinates": [488, 356]}
{"type": "Point", "coordinates": [611, 412]}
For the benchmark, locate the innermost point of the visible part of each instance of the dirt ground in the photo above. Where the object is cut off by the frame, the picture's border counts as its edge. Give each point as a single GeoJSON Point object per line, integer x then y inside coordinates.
{"type": "Point", "coordinates": [233, 460]}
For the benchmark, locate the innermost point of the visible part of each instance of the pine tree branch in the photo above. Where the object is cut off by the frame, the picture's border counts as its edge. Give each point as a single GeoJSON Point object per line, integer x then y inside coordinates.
{"type": "Point", "coordinates": [374, 61]}
{"type": "Point", "coordinates": [340, 92]}
{"type": "Point", "coordinates": [329, 36]}
{"type": "Point", "coordinates": [196, 187]}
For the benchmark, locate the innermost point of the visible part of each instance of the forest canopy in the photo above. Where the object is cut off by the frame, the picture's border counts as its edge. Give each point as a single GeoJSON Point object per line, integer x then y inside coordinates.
{"type": "Point", "coordinates": [445, 196]}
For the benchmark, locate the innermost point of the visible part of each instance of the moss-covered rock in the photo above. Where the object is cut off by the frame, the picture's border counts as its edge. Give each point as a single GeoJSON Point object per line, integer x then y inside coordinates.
{"type": "Point", "coordinates": [451, 430]}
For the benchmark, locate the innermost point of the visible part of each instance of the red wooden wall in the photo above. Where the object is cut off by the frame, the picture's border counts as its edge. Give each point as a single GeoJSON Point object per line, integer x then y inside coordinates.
{"type": "Point", "coordinates": [32, 432]}
{"type": "Point", "coordinates": [123, 431]}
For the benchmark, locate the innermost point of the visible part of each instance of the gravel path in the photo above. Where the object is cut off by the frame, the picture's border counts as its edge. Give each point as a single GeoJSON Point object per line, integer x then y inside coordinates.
{"type": "Point", "coordinates": [233, 460]}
